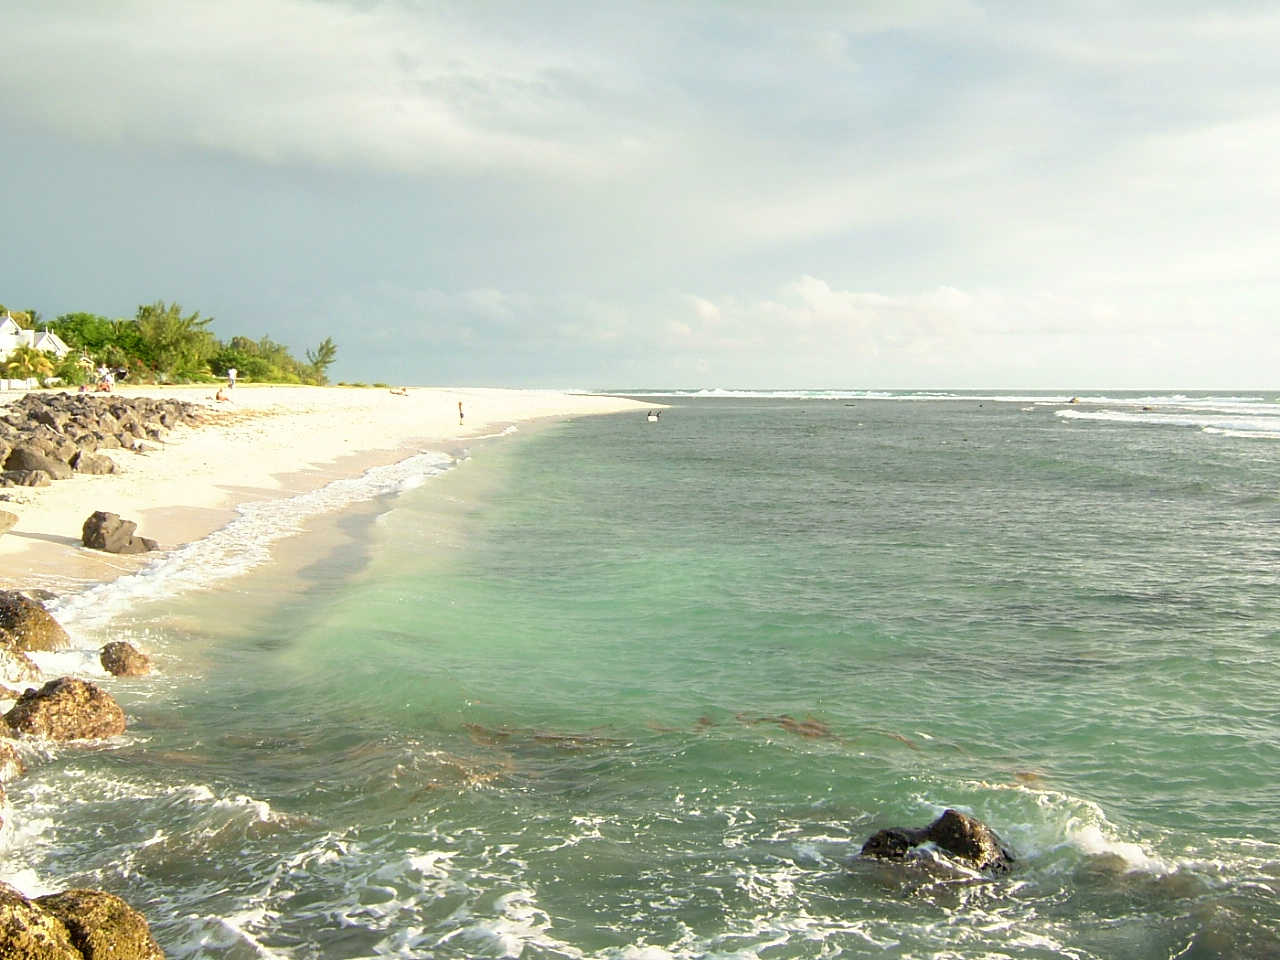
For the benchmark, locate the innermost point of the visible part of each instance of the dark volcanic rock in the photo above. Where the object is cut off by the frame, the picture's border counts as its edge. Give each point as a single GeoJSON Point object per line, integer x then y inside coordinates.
{"type": "Point", "coordinates": [122, 659]}
{"type": "Point", "coordinates": [26, 478]}
{"type": "Point", "coordinates": [31, 933]}
{"type": "Point", "coordinates": [960, 835]}
{"type": "Point", "coordinates": [29, 626]}
{"type": "Point", "coordinates": [41, 434]}
{"type": "Point", "coordinates": [98, 464]}
{"type": "Point", "coordinates": [106, 531]}
{"type": "Point", "coordinates": [28, 457]}
{"type": "Point", "coordinates": [102, 926]}
{"type": "Point", "coordinates": [67, 709]}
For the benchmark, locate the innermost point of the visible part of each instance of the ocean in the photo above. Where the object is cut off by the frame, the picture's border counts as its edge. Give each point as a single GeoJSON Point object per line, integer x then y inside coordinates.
{"type": "Point", "coordinates": [616, 689]}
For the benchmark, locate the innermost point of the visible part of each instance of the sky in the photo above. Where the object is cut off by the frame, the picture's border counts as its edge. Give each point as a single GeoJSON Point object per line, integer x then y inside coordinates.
{"type": "Point", "coordinates": [597, 194]}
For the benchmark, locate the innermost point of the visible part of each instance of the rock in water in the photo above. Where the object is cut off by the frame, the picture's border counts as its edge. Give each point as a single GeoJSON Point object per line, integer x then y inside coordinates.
{"type": "Point", "coordinates": [960, 835]}
{"type": "Point", "coordinates": [29, 625]}
{"type": "Point", "coordinates": [106, 531]}
{"type": "Point", "coordinates": [29, 932]}
{"type": "Point", "coordinates": [11, 765]}
{"type": "Point", "coordinates": [16, 668]}
{"type": "Point", "coordinates": [122, 659]}
{"type": "Point", "coordinates": [102, 926]}
{"type": "Point", "coordinates": [67, 709]}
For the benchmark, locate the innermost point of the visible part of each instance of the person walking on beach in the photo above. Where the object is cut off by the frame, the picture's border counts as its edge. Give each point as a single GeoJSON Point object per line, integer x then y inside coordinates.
{"type": "Point", "coordinates": [232, 373]}
{"type": "Point", "coordinates": [459, 413]}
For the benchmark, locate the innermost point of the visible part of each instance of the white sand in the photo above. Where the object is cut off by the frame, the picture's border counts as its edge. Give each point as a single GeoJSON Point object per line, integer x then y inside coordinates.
{"type": "Point", "coordinates": [267, 442]}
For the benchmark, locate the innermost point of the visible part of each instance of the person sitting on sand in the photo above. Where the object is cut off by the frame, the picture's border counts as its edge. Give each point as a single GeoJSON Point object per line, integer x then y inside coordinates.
{"type": "Point", "coordinates": [222, 395]}
{"type": "Point", "coordinates": [400, 391]}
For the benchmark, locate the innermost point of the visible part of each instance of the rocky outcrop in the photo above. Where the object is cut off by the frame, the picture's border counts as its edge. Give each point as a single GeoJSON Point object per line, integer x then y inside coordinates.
{"type": "Point", "coordinates": [25, 478]}
{"type": "Point", "coordinates": [121, 659]}
{"type": "Point", "coordinates": [52, 436]}
{"type": "Point", "coordinates": [73, 925]}
{"type": "Point", "coordinates": [28, 458]}
{"type": "Point", "coordinates": [106, 531]}
{"type": "Point", "coordinates": [959, 835]}
{"type": "Point", "coordinates": [27, 626]}
{"type": "Point", "coordinates": [7, 521]}
{"type": "Point", "coordinates": [96, 464]}
{"type": "Point", "coordinates": [30, 932]}
{"type": "Point", "coordinates": [67, 709]}
{"type": "Point", "coordinates": [102, 926]}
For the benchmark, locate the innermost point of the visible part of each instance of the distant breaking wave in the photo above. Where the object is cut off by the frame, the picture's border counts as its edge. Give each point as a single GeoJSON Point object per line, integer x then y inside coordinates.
{"type": "Point", "coordinates": [1214, 401]}
{"type": "Point", "coordinates": [1233, 420]}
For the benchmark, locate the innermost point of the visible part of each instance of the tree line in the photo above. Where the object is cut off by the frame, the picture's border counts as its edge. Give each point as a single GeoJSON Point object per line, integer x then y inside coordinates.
{"type": "Point", "coordinates": [162, 345]}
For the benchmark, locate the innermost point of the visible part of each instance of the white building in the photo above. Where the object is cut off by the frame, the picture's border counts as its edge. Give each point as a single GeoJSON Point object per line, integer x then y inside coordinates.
{"type": "Point", "coordinates": [13, 336]}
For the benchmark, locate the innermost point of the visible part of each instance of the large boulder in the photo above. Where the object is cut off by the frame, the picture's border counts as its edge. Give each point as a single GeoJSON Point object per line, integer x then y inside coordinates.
{"type": "Point", "coordinates": [67, 709]}
{"type": "Point", "coordinates": [28, 625]}
{"type": "Point", "coordinates": [26, 478]}
{"type": "Point", "coordinates": [30, 932]}
{"type": "Point", "coordinates": [102, 926]}
{"type": "Point", "coordinates": [121, 659]}
{"type": "Point", "coordinates": [963, 837]}
{"type": "Point", "coordinates": [96, 464]}
{"type": "Point", "coordinates": [106, 531]}
{"type": "Point", "coordinates": [29, 458]}
{"type": "Point", "coordinates": [8, 520]}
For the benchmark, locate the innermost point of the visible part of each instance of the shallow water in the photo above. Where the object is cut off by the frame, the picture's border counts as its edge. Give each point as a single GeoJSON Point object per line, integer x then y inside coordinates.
{"type": "Point", "coordinates": [620, 689]}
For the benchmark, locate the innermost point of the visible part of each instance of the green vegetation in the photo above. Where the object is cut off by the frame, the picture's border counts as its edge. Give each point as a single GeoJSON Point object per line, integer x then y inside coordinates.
{"type": "Point", "coordinates": [162, 345]}
{"type": "Point", "coordinates": [27, 362]}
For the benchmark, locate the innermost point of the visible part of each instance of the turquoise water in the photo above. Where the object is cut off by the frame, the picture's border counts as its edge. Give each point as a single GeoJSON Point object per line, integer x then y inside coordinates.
{"type": "Point", "coordinates": [631, 690]}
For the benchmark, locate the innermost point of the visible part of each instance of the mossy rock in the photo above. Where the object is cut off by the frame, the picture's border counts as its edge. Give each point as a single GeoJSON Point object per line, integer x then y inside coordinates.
{"type": "Point", "coordinates": [30, 932]}
{"type": "Point", "coordinates": [30, 626]}
{"type": "Point", "coordinates": [102, 926]}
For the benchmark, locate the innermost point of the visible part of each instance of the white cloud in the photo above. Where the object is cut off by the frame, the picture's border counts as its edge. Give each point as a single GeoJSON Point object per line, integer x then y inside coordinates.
{"type": "Point", "coordinates": [283, 81]}
{"type": "Point", "coordinates": [929, 185]}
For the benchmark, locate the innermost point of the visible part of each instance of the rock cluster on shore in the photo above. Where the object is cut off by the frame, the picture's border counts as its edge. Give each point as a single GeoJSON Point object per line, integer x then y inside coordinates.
{"type": "Point", "coordinates": [73, 924]}
{"type": "Point", "coordinates": [46, 437]}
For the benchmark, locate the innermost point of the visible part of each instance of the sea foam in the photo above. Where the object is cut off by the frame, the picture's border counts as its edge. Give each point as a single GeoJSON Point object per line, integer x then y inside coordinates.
{"type": "Point", "coordinates": [241, 545]}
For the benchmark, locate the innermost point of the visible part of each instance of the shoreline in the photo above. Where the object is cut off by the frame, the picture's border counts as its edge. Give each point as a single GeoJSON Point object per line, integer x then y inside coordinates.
{"type": "Point", "coordinates": [269, 442]}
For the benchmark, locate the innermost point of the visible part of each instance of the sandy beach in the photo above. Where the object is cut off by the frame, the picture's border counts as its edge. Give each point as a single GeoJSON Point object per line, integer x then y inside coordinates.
{"type": "Point", "coordinates": [267, 442]}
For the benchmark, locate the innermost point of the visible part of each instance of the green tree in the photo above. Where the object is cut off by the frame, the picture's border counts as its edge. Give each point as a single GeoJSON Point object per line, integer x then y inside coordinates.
{"type": "Point", "coordinates": [25, 362]}
{"type": "Point", "coordinates": [70, 371]}
{"type": "Point", "coordinates": [320, 358]}
{"type": "Point", "coordinates": [178, 347]}
{"type": "Point", "coordinates": [84, 331]}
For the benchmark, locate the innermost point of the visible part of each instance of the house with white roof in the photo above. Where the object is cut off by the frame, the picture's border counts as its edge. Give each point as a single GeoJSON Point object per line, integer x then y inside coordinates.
{"type": "Point", "coordinates": [13, 336]}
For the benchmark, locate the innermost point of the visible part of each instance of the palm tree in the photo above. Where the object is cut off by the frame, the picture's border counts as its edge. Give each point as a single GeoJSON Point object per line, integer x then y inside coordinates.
{"type": "Point", "coordinates": [26, 362]}
{"type": "Point", "coordinates": [179, 346]}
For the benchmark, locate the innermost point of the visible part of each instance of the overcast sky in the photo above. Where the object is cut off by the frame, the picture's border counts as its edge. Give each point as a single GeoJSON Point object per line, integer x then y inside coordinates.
{"type": "Point", "coordinates": [601, 194]}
